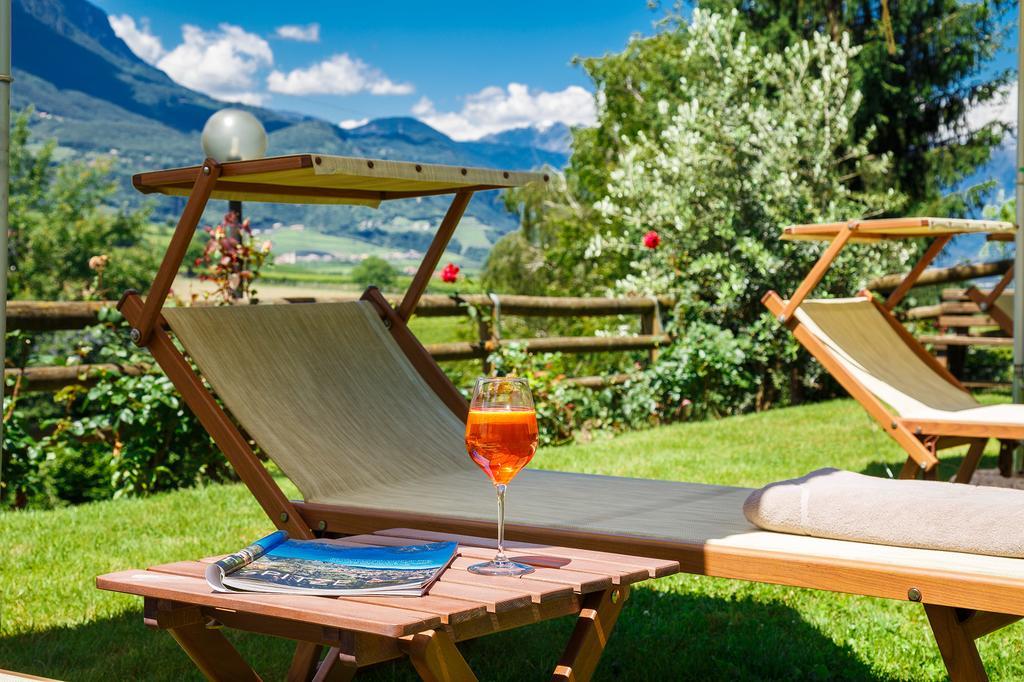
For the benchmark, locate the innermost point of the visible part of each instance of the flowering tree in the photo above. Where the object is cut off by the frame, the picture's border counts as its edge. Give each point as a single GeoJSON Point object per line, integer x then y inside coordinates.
{"type": "Point", "coordinates": [761, 140]}
{"type": "Point", "coordinates": [232, 259]}
{"type": "Point", "coordinates": [727, 143]}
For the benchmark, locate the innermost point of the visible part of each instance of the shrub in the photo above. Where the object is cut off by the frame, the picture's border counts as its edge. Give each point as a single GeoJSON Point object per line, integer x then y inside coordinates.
{"type": "Point", "coordinates": [124, 435]}
{"type": "Point", "coordinates": [374, 271]}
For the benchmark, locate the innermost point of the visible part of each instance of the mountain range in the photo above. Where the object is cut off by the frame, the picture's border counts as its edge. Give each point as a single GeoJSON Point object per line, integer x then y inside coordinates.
{"type": "Point", "coordinates": [92, 94]}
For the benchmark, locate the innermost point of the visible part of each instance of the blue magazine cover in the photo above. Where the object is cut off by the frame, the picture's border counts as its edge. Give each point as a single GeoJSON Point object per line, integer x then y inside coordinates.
{"type": "Point", "coordinates": [330, 568]}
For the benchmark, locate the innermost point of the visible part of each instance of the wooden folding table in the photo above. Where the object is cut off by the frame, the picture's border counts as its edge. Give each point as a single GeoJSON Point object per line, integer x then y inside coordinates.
{"type": "Point", "coordinates": [361, 631]}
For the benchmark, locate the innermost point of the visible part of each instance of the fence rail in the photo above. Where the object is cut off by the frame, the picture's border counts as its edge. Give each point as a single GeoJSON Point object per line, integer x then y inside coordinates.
{"type": "Point", "coordinates": [957, 273]}
{"type": "Point", "coordinates": [42, 316]}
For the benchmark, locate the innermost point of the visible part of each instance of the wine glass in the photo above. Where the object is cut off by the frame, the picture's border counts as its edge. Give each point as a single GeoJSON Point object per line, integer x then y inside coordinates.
{"type": "Point", "coordinates": [501, 437]}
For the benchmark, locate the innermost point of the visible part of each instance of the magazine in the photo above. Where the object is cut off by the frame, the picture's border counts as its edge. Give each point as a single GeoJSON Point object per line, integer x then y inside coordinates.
{"type": "Point", "coordinates": [322, 567]}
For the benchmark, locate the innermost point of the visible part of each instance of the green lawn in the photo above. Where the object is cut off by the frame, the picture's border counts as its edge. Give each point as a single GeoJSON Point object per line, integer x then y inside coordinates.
{"type": "Point", "coordinates": [685, 627]}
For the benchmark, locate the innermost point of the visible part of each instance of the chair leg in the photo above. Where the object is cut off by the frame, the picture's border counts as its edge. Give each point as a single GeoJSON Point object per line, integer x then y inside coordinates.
{"type": "Point", "coordinates": [436, 658]}
{"type": "Point", "coordinates": [304, 662]}
{"type": "Point", "coordinates": [955, 631]}
{"type": "Point", "coordinates": [1006, 448]}
{"type": "Point", "coordinates": [593, 628]}
{"type": "Point", "coordinates": [970, 463]}
{"type": "Point", "coordinates": [213, 654]}
{"type": "Point", "coordinates": [910, 469]}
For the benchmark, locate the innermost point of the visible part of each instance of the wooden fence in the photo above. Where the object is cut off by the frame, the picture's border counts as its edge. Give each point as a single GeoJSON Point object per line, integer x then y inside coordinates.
{"type": "Point", "coordinates": [960, 323]}
{"type": "Point", "coordinates": [43, 316]}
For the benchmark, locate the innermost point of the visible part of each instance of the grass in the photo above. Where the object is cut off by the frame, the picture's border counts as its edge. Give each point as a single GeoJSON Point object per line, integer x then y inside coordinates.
{"type": "Point", "coordinates": [685, 627]}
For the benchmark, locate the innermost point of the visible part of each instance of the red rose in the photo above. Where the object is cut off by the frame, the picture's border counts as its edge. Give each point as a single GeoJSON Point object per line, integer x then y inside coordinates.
{"type": "Point", "coordinates": [450, 273]}
{"type": "Point", "coordinates": [652, 240]}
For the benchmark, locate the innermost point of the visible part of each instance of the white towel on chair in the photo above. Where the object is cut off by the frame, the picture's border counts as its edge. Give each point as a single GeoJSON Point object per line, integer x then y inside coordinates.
{"type": "Point", "coordinates": [842, 505]}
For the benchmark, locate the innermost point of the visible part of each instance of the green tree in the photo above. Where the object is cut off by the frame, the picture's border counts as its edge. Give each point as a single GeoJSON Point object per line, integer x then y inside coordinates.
{"type": "Point", "coordinates": [923, 65]}
{"type": "Point", "coordinates": [61, 219]}
{"type": "Point", "coordinates": [737, 140]}
{"type": "Point", "coordinates": [374, 271]}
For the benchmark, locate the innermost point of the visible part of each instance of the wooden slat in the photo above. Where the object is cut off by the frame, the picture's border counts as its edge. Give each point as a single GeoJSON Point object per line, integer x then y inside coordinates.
{"type": "Point", "coordinates": [961, 340]}
{"type": "Point", "coordinates": [537, 591]}
{"type": "Point", "coordinates": [496, 601]}
{"type": "Point", "coordinates": [656, 568]}
{"type": "Point", "coordinates": [468, 350]}
{"type": "Point", "coordinates": [449, 610]}
{"type": "Point", "coordinates": [579, 582]}
{"type": "Point", "coordinates": [966, 321]}
{"type": "Point", "coordinates": [391, 622]}
{"type": "Point", "coordinates": [618, 575]}
{"type": "Point", "coordinates": [592, 568]}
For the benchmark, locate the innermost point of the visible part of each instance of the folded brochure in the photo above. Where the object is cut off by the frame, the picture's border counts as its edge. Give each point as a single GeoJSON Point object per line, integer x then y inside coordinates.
{"type": "Point", "coordinates": [322, 567]}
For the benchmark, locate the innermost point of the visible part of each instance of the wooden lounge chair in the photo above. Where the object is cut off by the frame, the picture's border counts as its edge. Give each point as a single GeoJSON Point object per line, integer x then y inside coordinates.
{"type": "Point", "coordinates": [864, 347]}
{"type": "Point", "coordinates": [355, 412]}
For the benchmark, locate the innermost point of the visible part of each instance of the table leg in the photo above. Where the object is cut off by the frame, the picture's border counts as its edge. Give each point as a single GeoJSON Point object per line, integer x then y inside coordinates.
{"type": "Point", "coordinates": [304, 662]}
{"type": "Point", "coordinates": [436, 658]}
{"type": "Point", "coordinates": [212, 653]}
{"type": "Point", "coordinates": [336, 667]}
{"type": "Point", "coordinates": [593, 628]}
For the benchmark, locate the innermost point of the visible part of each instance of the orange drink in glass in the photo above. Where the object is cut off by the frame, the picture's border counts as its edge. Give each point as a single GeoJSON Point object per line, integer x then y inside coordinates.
{"type": "Point", "coordinates": [501, 437]}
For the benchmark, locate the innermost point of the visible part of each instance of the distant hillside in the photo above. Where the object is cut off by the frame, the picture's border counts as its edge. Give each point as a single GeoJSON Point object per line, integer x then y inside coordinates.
{"type": "Point", "coordinates": [97, 98]}
{"type": "Point", "coordinates": [554, 138]}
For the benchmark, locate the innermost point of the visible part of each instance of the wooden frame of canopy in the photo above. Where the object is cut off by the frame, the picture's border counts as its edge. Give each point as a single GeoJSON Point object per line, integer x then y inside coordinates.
{"type": "Point", "coordinates": [961, 606]}
{"type": "Point", "coordinates": [922, 439]}
{"type": "Point", "coordinates": [987, 300]}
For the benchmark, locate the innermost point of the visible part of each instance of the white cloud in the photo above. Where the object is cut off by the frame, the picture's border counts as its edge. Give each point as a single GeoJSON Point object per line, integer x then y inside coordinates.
{"type": "Point", "coordinates": [304, 34]}
{"type": "Point", "coordinates": [494, 109]}
{"type": "Point", "coordinates": [350, 123]}
{"type": "Point", "coordinates": [338, 75]}
{"type": "Point", "coordinates": [1002, 108]}
{"type": "Point", "coordinates": [220, 63]}
{"type": "Point", "coordinates": [138, 37]}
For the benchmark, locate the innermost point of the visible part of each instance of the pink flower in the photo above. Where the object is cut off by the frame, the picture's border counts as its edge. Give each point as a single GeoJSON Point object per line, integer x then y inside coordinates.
{"type": "Point", "coordinates": [652, 239]}
{"type": "Point", "coordinates": [450, 273]}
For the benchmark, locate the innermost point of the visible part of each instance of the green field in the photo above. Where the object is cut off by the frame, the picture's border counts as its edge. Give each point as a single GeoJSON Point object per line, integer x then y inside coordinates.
{"type": "Point", "coordinates": [684, 627]}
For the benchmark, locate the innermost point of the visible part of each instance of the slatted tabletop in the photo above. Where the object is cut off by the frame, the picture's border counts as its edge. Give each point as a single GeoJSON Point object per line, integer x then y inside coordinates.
{"type": "Point", "coordinates": [458, 596]}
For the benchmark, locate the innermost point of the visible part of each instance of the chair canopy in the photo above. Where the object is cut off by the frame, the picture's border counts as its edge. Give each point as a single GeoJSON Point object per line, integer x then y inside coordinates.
{"type": "Point", "coordinates": [900, 228]}
{"type": "Point", "coordinates": [323, 179]}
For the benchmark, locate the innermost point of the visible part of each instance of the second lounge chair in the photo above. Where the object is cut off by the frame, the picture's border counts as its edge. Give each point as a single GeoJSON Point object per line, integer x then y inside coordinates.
{"type": "Point", "coordinates": [911, 396]}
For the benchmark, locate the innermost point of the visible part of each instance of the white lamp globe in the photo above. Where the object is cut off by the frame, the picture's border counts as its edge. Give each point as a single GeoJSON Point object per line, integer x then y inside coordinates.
{"type": "Point", "coordinates": [234, 135]}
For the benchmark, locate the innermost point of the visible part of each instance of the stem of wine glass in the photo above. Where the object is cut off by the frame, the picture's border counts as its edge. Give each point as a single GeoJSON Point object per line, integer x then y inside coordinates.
{"type": "Point", "coordinates": [500, 558]}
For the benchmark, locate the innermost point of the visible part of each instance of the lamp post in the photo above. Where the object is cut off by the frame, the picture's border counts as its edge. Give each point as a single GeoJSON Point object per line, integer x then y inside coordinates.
{"type": "Point", "coordinates": [234, 135]}
{"type": "Point", "coordinates": [5, 162]}
{"type": "Point", "coordinates": [1018, 265]}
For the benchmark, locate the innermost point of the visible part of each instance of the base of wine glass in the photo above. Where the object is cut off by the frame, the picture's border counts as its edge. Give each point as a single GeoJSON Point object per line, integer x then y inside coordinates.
{"type": "Point", "coordinates": [500, 568]}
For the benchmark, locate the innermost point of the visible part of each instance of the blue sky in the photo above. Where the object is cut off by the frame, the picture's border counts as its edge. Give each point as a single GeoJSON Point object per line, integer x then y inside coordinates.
{"type": "Point", "coordinates": [468, 68]}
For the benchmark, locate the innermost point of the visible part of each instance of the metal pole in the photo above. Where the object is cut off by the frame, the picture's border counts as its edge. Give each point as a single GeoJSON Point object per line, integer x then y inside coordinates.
{"type": "Point", "coordinates": [236, 234]}
{"type": "Point", "coordinates": [5, 164]}
{"type": "Point", "coordinates": [1018, 273]}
